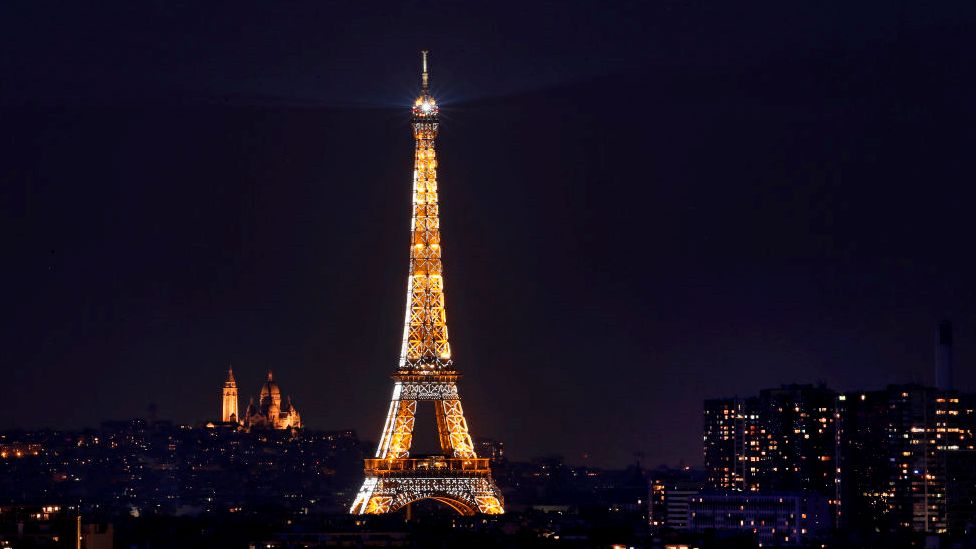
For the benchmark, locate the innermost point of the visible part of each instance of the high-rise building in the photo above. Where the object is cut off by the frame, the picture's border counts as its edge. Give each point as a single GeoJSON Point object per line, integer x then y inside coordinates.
{"type": "Point", "coordinates": [893, 448]}
{"type": "Point", "coordinates": [891, 459]}
{"type": "Point", "coordinates": [796, 450]}
{"type": "Point", "coordinates": [782, 440]}
{"type": "Point", "coordinates": [862, 458]}
{"type": "Point", "coordinates": [229, 405]}
{"type": "Point", "coordinates": [903, 453]}
{"type": "Point", "coordinates": [731, 433]}
{"type": "Point", "coordinates": [961, 492]}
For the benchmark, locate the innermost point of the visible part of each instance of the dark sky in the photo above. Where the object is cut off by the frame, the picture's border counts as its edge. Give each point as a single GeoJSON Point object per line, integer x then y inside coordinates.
{"type": "Point", "coordinates": [645, 204]}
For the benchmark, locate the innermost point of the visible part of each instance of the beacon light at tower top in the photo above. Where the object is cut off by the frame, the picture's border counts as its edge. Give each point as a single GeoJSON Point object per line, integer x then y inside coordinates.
{"type": "Point", "coordinates": [425, 106]}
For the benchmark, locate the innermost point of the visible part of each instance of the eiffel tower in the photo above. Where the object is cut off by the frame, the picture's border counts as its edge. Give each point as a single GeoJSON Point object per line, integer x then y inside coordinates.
{"type": "Point", "coordinates": [457, 478]}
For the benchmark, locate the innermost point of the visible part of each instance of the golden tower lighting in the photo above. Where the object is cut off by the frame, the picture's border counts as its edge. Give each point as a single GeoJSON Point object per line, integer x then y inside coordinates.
{"type": "Point", "coordinates": [458, 478]}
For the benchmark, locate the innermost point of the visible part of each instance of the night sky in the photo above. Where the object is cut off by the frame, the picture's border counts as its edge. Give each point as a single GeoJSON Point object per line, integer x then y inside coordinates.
{"type": "Point", "coordinates": [644, 205]}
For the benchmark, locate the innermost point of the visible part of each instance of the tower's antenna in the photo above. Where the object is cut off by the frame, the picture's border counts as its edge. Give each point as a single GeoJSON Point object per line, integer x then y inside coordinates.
{"type": "Point", "coordinates": [424, 55]}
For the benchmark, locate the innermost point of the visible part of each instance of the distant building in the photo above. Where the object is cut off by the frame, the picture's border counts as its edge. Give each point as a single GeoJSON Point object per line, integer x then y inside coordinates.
{"type": "Point", "coordinates": [229, 413]}
{"type": "Point", "coordinates": [961, 492]}
{"type": "Point", "coordinates": [490, 448]}
{"type": "Point", "coordinates": [893, 450]}
{"type": "Point", "coordinates": [878, 457]}
{"type": "Point", "coordinates": [798, 451]}
{"type": "Point", "coordinates": [783, 441]}
{"type": "Point", "coordinates": [269, 412]}
{"type": "Point", "coordinates": [773, 519]}
{"type": "Point", "coordinates": [669, 502]}
{"type": "Point", "coordinates": [863, 464]}
{"type": "Point", "coordinates": [730, 427]}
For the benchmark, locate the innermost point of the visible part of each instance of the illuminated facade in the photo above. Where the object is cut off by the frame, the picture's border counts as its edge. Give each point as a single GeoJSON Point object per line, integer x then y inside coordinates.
{"type": "Point", "coordinates": [229, 413]}
{"type": "Point", "coordinates": [269, 412]}
{"type": "Point", "coordinates": [729, 443]}
{"type": "Point", "coordinates": [798, 451]}
{"type": "Point", "coordinates": [894, 448]}
{"type": "Point", "coordinates": [426, 373]}
{"type": "Point", "coordinates": [782, 440]}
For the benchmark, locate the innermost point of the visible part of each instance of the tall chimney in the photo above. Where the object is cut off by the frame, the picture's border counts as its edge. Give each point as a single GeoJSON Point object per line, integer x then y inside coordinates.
{"type": "Point", "coordinates": [943, 356]}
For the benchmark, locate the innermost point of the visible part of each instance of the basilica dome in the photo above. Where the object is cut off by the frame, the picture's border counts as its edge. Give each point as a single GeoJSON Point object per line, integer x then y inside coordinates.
{"type": "Point", "coordinates": [270, 389]}
{"type": "Point", "coordinates": [269, 412]}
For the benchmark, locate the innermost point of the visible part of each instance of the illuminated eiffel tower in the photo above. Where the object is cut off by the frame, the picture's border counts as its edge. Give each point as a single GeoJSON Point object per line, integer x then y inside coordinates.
{"type": "Point", "coordinates": [458, 478]}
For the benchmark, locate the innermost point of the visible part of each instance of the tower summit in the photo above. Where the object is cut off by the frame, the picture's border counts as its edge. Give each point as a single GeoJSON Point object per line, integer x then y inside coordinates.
{"type": "Point", "coordinates": [425, 344]}
{"type": "Point", "coordinates": [458, 478]}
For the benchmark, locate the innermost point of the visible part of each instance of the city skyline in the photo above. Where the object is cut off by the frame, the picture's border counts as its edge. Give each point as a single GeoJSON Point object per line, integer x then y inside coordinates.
{"type": "Point", "coordinates": [762, 205]}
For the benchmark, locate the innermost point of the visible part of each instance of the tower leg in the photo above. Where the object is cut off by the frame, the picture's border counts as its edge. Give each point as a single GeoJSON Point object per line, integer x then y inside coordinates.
{"type": "Point", "coordinates": [398, 430]}
{"type": "Point", "coordinates": [452, 427]}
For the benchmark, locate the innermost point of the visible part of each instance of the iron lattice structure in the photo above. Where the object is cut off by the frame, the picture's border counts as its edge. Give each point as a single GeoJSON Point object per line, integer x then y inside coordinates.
{"type": "Point", "coordinates": [458, 478]}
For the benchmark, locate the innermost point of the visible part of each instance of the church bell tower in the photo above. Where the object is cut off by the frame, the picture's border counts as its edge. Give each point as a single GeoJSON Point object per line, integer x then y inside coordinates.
{"type": "Point", "coordinates": [229, 413]}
